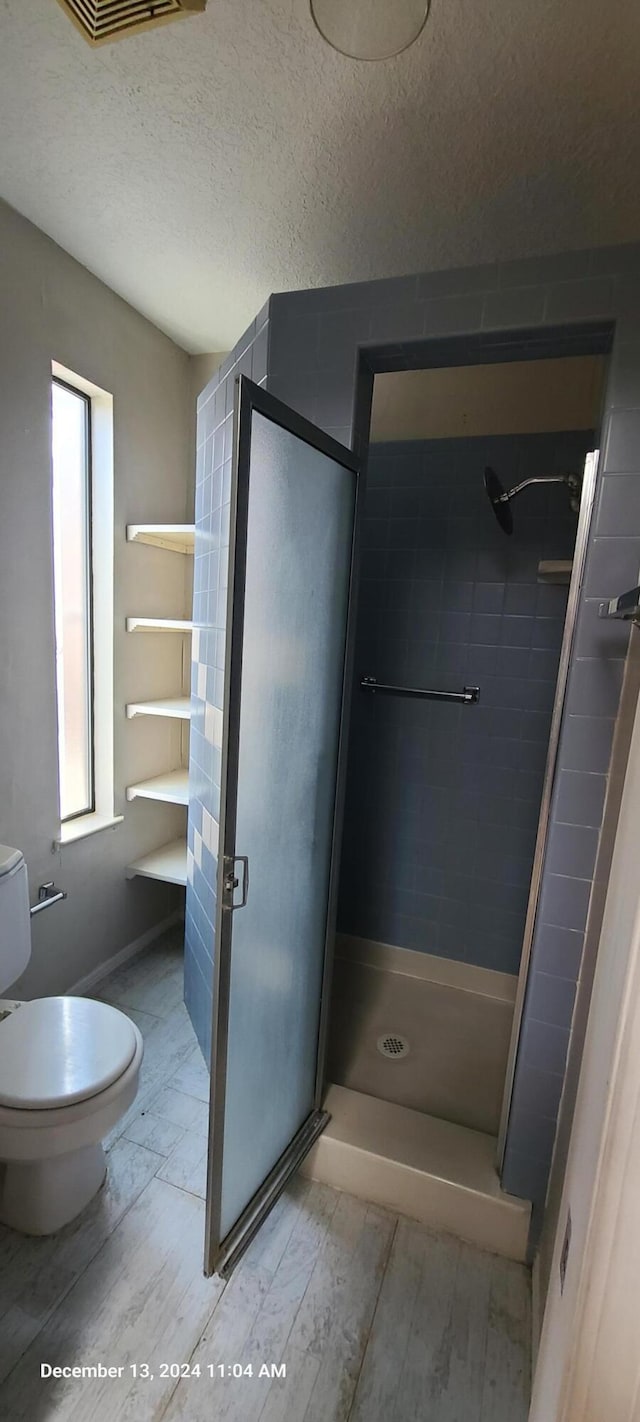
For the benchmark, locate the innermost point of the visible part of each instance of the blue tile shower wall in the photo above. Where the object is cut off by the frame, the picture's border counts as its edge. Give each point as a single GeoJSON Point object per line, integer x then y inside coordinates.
{"type": "Point", "coordinates": [213, 486]}
{"type": "Point", "coordinates": [323, 346]}
{"type": "Point", "coordinates": [442, 801]}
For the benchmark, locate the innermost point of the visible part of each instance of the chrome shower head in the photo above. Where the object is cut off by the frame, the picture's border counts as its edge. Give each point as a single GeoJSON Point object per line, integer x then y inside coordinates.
{"type": "Point", "coordinates": [500, 498]}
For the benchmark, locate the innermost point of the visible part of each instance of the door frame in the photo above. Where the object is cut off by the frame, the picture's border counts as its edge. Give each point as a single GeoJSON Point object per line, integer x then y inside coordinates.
{"type": "Point", "coordinates": [221, 1257]}
{"type": "Point", "coordinates": [585, 517]}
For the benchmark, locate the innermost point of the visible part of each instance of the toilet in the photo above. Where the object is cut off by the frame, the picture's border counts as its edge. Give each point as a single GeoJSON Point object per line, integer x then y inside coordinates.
{"type": "Point", "coordinates": [69, 1069]}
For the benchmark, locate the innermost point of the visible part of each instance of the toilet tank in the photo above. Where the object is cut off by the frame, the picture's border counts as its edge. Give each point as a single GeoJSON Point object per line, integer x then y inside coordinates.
{"type": "Point", "coordinates": [15, 923]}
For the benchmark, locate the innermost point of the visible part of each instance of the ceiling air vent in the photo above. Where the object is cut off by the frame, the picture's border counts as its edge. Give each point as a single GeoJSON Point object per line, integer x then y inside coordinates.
{"type": "Point", "coordinates": [103, 20]}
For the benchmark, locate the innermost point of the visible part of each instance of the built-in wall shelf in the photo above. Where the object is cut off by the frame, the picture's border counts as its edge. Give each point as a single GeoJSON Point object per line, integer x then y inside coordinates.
{"type": "Point", "coordinates": [555, 570]}
{"type": "Point", "coordinates": [168, 863]}
{"type": "Point", "coordinates": [158, 624]}
{"type": "Point", "coordinates": [170, 664]}
{"type": "Point", "coordinates": [178, 537]}
{"type": "Point", "coordinates": [172, 787]}
{"type": "Point", "coordinates": [178, 707]}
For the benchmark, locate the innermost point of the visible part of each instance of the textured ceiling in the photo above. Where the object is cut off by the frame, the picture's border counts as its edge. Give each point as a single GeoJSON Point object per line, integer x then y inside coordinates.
{"type": "Point", "coordinates": [203, 165]}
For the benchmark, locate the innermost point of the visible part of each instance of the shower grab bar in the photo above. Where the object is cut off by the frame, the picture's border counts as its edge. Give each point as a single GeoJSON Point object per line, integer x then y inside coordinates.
{"type": "Point", "coordinates": [626, 607]}
{"type": "Point", "coordinates": [465, 697]}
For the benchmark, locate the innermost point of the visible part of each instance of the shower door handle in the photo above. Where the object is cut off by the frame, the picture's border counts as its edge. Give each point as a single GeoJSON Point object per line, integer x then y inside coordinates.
{"type": "Point", "coordinates": [230, 881]}
{"type": "Point", "coordinates": [626, 607]}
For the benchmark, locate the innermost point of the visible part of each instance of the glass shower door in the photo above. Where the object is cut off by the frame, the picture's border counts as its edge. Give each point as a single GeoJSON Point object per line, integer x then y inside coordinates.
{"type": "Point", "coordinates": [292, 531]}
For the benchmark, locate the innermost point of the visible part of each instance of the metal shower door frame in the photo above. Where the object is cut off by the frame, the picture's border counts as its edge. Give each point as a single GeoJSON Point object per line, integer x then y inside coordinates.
{"type": "Point", "coordinates": [221, 1255]}
{"type": "Point", "coordinates": [585, 515]}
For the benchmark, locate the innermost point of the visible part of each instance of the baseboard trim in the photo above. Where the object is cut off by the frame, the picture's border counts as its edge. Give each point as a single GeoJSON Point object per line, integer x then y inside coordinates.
{"type": "Point", "coordinates": [130, 951]}
{"type": "Point", "coordinates": [448, 972]}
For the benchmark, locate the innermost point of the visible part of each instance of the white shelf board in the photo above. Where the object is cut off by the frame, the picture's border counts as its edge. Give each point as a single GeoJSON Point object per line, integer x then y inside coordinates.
{"type": "Point", "coordinates": [177, 537]}
{"type": "Point", "coordinates": [158, 624]}
{"type": "Point", "coordinates": [168, 863]}
{"type": "Point", "coordinates": [178, 707]}
{"type": "Point", "coordinates": [172, 787]}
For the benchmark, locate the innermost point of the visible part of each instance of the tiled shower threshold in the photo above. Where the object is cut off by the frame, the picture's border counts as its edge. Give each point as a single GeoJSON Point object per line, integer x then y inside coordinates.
{"type": "Point", "coordinates": [438, 1173]}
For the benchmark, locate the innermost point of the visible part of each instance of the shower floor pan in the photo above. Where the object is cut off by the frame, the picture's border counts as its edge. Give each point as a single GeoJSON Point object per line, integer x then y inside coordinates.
{"type": "Point", "coordinates": [420, 1031]}
{"type": "Point", "coordinates": [431, 1170]}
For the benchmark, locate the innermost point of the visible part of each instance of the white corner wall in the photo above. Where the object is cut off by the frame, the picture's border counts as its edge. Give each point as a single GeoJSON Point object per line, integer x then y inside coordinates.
{"type": "Point", "coordinates": [51, 308]}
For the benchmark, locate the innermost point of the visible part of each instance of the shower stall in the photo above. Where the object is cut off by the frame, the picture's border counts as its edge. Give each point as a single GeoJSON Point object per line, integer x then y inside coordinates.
{"type": "Point", "coordinates": [473, 787]}
{"type": "Point", "coordinates": [472, 558]}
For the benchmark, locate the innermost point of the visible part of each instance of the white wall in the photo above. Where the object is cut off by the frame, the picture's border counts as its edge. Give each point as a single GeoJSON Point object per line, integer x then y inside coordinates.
{"type": "Point", "coordinates": [520, 397]}
{"type": "Point", "coordinates": [51, 308]}
{"type": "Point", "coordinates": [202, 367]}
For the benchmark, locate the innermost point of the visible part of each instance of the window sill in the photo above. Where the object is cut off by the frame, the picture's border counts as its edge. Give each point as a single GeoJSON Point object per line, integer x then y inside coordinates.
{"type": "Point", "coordinates": [83, 827]}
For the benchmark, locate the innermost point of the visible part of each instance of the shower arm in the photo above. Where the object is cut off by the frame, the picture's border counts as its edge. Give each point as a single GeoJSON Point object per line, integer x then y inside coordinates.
{"type": "Point", "coordinates": [571, 479]}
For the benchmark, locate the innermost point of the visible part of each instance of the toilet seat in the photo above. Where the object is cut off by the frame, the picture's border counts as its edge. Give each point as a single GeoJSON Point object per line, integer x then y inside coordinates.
{"type": "Point", "coordinates": [56, 1051]}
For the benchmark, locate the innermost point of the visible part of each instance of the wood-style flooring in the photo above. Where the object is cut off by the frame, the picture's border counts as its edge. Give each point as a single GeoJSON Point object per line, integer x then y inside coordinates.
{"type": "Point", "coordinates": [374, 1318]}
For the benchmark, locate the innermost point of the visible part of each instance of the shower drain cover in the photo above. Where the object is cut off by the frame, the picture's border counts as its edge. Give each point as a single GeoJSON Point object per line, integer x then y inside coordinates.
{"type": "Point", "coordinates": [393, 1045]}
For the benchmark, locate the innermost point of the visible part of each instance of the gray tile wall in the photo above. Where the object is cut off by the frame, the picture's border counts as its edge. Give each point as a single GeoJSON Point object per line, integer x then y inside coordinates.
{"type": "Point", "coordinates": [213, 485]}
{"type": "Point", "coordinates": [443, 801]}
{"type": "Point", "coordinates": [323, 346]}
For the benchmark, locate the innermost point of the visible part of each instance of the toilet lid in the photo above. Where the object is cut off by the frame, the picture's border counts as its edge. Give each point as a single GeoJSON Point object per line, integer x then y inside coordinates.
{"type": "Point", "coordinates": [58, 1050]}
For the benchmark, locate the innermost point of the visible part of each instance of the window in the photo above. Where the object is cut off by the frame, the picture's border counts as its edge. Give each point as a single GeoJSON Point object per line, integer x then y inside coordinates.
{"type": "Point", "coordinates": [83, 556]}
{"type": "Point", "coordinates": [71, 465]}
